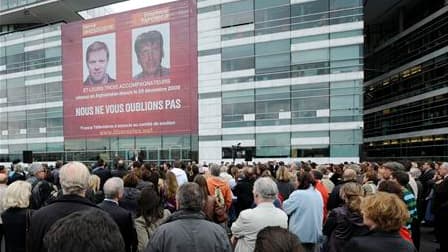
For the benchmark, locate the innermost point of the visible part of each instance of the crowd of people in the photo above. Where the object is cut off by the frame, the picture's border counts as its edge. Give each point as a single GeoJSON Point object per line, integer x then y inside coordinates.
{"type": "Point", "coordinates": [259, 207]}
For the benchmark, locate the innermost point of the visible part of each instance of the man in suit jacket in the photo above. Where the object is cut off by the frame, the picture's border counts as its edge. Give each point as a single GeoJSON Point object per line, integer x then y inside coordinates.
{"type": "Point", "coordinates": [74, 178]}
{"type": "Point", "coordinates": [251, 221]}
{"type": "Point", "coordinates": [113, 191]}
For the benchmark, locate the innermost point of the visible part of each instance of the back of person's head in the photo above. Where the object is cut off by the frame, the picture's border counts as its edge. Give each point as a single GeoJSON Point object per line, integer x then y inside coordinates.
{"type": "Point", "coordinates": [388, 212]}
{"type": "Point", "coordinates": [94, 182]}
{"type": "Point", "coordinates": [215, 170]}
{"type": "Point", "coordinates": [18, 168]}
{"type": "Point", "coordinates": [415, 172]}
{"type": "Point", "coordinates": [265, 188]}
{"type": "Point", "coordinates": [283, 174]}
{"type": "Point", "coordinates": [35, 168]}
{"type": "Point", "coordinates": [58, 164]}
{"type": "Point", "coordinates": [113, 188]}
{"type": "Point", "coordinates": [74, 178]}
{"type": "Point", "coordinates": [177, 163]}
{"type": "Point", "coordinates": [401, 177]}
{"type": "Point", "coordinates": [393, 166]}
{"type": "Point", "coordinates": [150, 205]}
{"type": "Point", "coordinates": [202, 182]}
{"type": "Point", "coordinates": [317, 175]}
{"type": "Point", "coordinates": [17, 195]}
{"type": "Point", "coordinates": [277, 239]}
{"type": "Point", "coordinates": [352, 194]}
{"type": "Point", "coordinates": [100, 162]}
{"type": "Point", "coordinates": [130, 180]}
{"type": "Point", "coordinates": [349, 174]}
{"type": "Point", "coordinates": [305, 180]}
{"type": "Point", "coordinates": [190, 197]}
{"type": "Point", "coordinates": [90, 230]}
{"type": "Point", "coordinates": [391, 186]}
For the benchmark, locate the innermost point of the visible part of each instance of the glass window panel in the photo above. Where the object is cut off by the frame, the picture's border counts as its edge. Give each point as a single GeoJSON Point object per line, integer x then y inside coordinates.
{"type": "Point", "coordinates": [346, 52]}
{"type": "Point", "coordinates": [97, 144]}
{"type": "Point", "coordinates": [309, 56]}
{"type": "Point", "coordinates": [310, 134]}
{"type": "Point", "coordinates": [238, 137]}
{"type": "Point", "coordinates": [15, 49]}
{"type": "Point", "coordinates": [309, 38]}
{"type": "Point", "coordinates": [273, 62]}
{"type": "Point", "coordinates": [35, 94]}
{"type": "Point", "coordinates": [274, 139]}
{"type": "Point", "coordinates": [261, 4]}
{"type": "Point", "coordinates": [75, 145]}
{"type": "Point", "coordinates": [53, 52]}
{"type": "Point", "coordinates": [237, 52]}
{"type": "Point", "coordinates": [272, 47]}
{"type": "Point", "coordinates": [344, 150]}
{"type": "Point", "coordinates": [342, 4]}
{"type": "Point", "coordinates": [238, 64]}
{"type": "Point", "coordinates": [237, 13]}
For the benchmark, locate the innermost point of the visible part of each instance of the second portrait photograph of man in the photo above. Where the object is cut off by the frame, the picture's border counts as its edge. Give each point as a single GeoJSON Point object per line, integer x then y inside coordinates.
{"type": "Point", "coordinates": [151, 56]}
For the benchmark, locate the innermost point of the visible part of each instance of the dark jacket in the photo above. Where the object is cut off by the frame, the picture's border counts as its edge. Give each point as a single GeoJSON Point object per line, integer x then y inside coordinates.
{"type": "Point", "coordinates": [341, 226]}
{"type": "Point", "coordinates": [14, 226]}
{"type": "Point", "coordinates": [427, 181]}
{"type": "Point", "coordinates": [285, 189]}
{"type": "Point", "coordinates": [124, 221]}
{"type": "Point", "coordinates": [43, 218]}
{"type": "Point", "coordinates": [129, 201]}
{"type": "Point", "coordinates": [243, 192]}
{"type": "Point", "coordinates": [103, 173]}
{"type": "Point", "coordinates": [378, 241]}
{"type": "Point", "coordinates": [187, 231]}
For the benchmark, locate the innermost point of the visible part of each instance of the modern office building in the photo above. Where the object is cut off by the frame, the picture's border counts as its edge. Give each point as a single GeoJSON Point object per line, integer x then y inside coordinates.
{"type": "Point", "coordinates": [406, 84]}
{"type": "Point", "coordinates": [280, 79]}
{"type": "Point", "coordinates": [276, 80]}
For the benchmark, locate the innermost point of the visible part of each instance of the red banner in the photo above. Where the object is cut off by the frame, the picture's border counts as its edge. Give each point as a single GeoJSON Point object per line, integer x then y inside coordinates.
{"type": "Point", "coordinates": [132, 74]}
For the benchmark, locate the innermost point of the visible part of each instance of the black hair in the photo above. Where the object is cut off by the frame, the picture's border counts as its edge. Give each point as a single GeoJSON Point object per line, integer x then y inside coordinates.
{"type": "Point", "coordinates": [90, 230]}
{"type": "Point", "coordinates": [277, 239]}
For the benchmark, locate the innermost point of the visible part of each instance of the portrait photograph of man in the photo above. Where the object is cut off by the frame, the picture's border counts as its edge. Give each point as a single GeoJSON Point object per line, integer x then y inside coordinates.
{"type": "Point", "coordinates": [151, 57]}
{"type": "Point", "coordinates": [99, 61]}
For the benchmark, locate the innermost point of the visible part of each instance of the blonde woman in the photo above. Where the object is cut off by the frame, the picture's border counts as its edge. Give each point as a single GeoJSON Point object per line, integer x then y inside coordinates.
{"type": "Point", "coordinates": [285, 187]}
{"type": "Point", "coordinates": [93, 193]}
{"type": "Point", "coordinates": [346, 221]}
{"type": "Point", "coordinates": [384, 214]}
{"type": "Point", "coordinates": [17, 215]}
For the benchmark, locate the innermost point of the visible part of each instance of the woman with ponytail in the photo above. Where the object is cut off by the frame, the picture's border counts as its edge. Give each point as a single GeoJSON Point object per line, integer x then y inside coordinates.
{"type": "Point", "coordinates": [346, 221]}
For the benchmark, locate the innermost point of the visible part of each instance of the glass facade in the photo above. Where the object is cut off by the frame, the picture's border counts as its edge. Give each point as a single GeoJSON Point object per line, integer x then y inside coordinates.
{"type": "Point", "coordinates": [279, 64]}
{"type": "Point", "coordinates": [11, 4]}
{"type": "Point", "coordinates": [405, 93]}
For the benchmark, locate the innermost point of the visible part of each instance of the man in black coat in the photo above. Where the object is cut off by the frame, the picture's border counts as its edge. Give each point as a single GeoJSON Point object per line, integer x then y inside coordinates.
{"type": "Point", "coordinates": [440, 207]}
{"type": "Point", "coordinates": [74, 178]}
{"type": "Point", "coordinates": [426, 178]}
{"type": "Point", "coordinates": [102, 172]}
{"type": "Point", "coordinates": [334, 200]}
{"type": "Point", "coordinates": [113, 191]}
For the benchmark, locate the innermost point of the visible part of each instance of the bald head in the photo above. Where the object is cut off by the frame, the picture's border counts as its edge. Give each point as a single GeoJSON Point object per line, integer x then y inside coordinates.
{"type": "Point", "coordinates": [349, 174]}
{"type": "Point", "coordinates": [74, 178]}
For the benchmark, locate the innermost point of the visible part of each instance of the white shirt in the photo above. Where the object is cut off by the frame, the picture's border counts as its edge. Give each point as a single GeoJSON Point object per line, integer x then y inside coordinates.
{"type": "Point", "coordinates": [181, 176]}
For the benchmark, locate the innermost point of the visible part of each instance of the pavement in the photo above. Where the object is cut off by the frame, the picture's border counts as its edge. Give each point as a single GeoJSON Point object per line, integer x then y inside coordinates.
{"type": "Point", "coordinates": [427, 240]}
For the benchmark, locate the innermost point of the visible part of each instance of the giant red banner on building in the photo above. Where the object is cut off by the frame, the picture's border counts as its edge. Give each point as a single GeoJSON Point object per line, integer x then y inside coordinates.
{"type": "Point", "coordinates": [131, 74]}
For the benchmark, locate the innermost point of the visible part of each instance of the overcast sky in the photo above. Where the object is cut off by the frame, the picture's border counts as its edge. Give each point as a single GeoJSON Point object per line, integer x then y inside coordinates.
{"type": "Point", "coordinates": [135, 4]}
{"type": "Point", "coordinates": [125, 6]}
